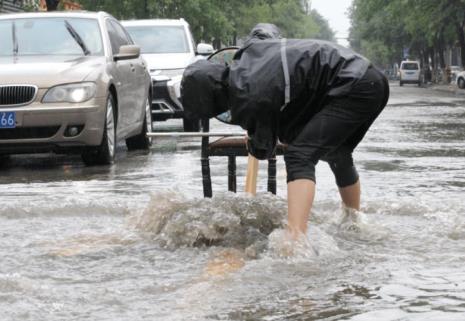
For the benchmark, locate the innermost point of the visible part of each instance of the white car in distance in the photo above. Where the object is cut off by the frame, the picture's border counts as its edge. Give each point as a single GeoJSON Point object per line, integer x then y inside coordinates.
{"type": "Point", "coordinates": [461, 80]}
{"type": "Point", "coordinates": [410, 72]}
{"type": "Point", "coordinates": [168, 47]}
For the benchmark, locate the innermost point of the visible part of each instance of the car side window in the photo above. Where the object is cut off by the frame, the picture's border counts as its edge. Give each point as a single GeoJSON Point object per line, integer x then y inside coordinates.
{"type": "Point", "coordinates": [114, 41]}
{"type": "Point", "coordinates": [118, 36]}
{"type": "Point", "coordinates": [194, 46]}
{"type": "Point", "coordinates": [122, 34]}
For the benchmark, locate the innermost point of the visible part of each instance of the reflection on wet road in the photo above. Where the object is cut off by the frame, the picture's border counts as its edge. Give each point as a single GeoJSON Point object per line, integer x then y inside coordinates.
{"type": "Point", "coordinates": [136, 241]}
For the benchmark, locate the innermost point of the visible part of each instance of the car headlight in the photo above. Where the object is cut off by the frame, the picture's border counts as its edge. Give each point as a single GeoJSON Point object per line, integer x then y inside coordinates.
{"type": "Point", "coordinates": [72, 93]}
{"type": "Point", "coordinates": [172, 73]}
{"type": "Point", "coordinates": [166, 73]}
{"type": "Point", "coordinates": [176, 80]}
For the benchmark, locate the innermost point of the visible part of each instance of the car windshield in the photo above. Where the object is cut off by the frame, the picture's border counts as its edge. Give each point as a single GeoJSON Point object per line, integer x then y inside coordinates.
{"type": "Point", "coordinates": [50, 36]}
{"type": "Point", "coordinates": [410, 66]}
{"type": "Point", "coordinates": [160, 39]}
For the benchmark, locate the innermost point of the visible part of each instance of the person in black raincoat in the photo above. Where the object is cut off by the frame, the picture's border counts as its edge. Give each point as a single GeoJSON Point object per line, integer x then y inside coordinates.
{"type": "Point", "coordinates": [317, 97]}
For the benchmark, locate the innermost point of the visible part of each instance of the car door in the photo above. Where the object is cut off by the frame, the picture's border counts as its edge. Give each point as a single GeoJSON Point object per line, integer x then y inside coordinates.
{"type": "Point", "coordinates": [124, 78]}
{"type": "Point", "coordinates": [138, 86]}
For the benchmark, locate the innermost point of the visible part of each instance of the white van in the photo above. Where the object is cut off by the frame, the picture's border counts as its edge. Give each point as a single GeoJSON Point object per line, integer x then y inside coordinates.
{"type": "Point", "coordinates": [410, 72]}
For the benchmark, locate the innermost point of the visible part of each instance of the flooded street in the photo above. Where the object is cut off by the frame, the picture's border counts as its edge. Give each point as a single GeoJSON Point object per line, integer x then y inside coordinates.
{"type": "Point", "coordinates": [130, 241]}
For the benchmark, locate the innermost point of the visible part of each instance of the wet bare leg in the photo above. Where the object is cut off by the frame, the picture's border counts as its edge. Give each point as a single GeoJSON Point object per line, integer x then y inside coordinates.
{"type": "Point", "coordinates": [300, 195]}
{"type": "Point", "coordinates": [350, 195]}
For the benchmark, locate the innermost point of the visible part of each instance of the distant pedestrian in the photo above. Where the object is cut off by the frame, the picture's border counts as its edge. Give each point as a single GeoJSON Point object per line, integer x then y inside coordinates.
{"type": "Point", "coordinates": [428, 75]}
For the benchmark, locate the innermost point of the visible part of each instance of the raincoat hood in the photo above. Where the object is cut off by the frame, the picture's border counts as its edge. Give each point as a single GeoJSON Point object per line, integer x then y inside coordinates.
{"type": "Point", "coordinates": [264, 31]}
{"type": "Point", "coordinates": [204, 89]}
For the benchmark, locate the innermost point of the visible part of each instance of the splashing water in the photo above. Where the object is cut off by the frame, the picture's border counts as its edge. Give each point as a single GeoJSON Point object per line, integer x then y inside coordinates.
{"type": "Point", "coordinates": [230, 220]}
{"type": "Point", "coordinates": [355, 225]}
{"type": "Point", "coordinates": [252, 224]}
{"type": "Point", "coordinates": [314, 245]}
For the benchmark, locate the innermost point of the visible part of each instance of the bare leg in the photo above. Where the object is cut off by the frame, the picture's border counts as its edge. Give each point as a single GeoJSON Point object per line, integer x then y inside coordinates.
{"type": "Point", "coordinates": [300, 195]}
{"type": "Point", "coordinates": [350, 195]}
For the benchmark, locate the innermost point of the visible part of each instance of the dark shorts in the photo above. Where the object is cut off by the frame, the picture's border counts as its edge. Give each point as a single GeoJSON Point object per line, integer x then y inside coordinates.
{"type": "Point", "coordinates": [334, 132]}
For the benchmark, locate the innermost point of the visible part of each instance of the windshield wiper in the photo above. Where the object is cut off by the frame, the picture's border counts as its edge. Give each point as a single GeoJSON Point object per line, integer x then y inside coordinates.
{"type": "Point", "coordinates": [15, 40]}
{"type": "Point", "coordinates": [77, 37]}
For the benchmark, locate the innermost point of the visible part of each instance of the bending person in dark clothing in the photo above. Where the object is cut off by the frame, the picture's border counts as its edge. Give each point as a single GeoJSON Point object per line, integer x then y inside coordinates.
{"type": "Point", "coordinates": [315, 96]}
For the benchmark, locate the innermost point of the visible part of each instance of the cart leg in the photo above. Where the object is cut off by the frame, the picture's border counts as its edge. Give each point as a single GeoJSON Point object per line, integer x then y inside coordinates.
{"type": "Point", "coordinates": [206, 178]}
{"type": "Point", "coordinates": [251, 179]}
{"type": "Point", "coordinates": [272, 175]}
{"type": "Point", "coordinates": [232, 173]}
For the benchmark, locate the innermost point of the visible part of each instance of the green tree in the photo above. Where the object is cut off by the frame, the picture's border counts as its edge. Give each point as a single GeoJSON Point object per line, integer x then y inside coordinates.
{"type": "Point", "coordinates": [222, 21]}
{"type": "Point", "coordinates": [425, 27]}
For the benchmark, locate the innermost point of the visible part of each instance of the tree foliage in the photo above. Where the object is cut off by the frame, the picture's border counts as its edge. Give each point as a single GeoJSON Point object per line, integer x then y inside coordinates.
{"type": "Point", "coordinates": [223, 21]}
{"type": "Point", "coordinates": [385, 30]}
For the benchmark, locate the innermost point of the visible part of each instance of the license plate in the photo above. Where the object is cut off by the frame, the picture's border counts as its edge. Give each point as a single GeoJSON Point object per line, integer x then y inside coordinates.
{"type": "Point", "coordinates": [8, 119]}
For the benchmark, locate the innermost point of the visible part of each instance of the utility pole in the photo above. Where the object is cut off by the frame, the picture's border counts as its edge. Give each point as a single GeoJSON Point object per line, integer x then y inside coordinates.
{"type": "Point", "coordinates": [307, 6]}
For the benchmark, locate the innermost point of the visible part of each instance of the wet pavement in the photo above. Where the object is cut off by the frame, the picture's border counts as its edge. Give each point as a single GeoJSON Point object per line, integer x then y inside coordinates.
{"type": "Point", "coordinates": [136, 240]}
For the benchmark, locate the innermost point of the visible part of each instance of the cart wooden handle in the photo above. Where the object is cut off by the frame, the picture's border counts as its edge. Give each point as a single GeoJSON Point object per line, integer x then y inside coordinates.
{"type": "Point", "coordinates": [251, 178]}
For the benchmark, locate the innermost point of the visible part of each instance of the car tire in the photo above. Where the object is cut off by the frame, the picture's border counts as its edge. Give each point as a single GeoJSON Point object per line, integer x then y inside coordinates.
{"type": "Point", "coordinates": [461, 83]}
{"type": "Point", "coordinates": [401, 83]}
{"type": "Point", "coordinates": [191, 125]}
{"type": "Point", "coordinates": [104, 154]}
{"type": "Point", "coordinates": [141, 141]}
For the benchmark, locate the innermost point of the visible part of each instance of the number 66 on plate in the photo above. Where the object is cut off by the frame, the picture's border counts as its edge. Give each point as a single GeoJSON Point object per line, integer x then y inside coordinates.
{"type": "Point", "coordinates": [8, 119]}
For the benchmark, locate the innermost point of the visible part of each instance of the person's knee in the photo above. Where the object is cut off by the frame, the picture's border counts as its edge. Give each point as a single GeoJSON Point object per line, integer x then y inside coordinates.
{"type": "Point", "coordinates": [299, 167]}
{"type": "Point", "coordinates": [344, 171]}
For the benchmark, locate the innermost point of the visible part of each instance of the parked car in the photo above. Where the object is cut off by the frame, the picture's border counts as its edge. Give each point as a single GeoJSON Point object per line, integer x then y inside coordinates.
{"type": "Point", "coordinates": [410, 72]}
{"type": "Point", "coordinates": [455, 70]}
{"type": "Point", "coordinates": [71, 83]}
{"type": "Point", "coordinates": [168, 47]}
{"type": "Point", "coordinates": [461, 80]}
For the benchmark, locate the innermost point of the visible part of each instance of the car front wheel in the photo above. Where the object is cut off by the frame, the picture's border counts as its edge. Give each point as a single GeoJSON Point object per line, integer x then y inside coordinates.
{"type": "Point", "coordinates": [104, 154]}
{"type": "Point", "coordinates": [461, 83]}
{"type": "Point", "coordinates": [141, 141]}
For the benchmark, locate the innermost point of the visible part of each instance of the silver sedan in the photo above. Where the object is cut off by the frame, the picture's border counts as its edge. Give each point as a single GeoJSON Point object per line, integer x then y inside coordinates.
{"type": "Point", "coordinates": [71, 82]}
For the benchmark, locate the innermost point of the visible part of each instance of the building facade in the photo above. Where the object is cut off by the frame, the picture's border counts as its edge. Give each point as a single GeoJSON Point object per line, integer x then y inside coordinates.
{"type": "Point", "coordinates": [9, 6]}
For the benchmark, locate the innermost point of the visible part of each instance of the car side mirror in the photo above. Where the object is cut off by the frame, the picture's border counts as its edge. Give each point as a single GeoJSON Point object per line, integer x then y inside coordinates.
{"type": "Point", "coordinates": [204, 49]}
{"type": "Point", "coordinates": [127, 52]}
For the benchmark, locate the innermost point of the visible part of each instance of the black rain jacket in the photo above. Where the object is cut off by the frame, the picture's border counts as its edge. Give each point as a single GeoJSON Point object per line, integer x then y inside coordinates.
{"type": "Point", "coordinates": [275, 86]}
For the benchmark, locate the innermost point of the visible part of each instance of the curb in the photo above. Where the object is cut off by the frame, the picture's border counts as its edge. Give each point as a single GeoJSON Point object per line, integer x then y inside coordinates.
{"type": "Point", "coordinates": [451, 89]}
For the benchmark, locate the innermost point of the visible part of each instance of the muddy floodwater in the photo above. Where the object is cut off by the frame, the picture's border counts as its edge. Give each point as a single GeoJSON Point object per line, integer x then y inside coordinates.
{"type": "Point", "coordinates": [136, 240]}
